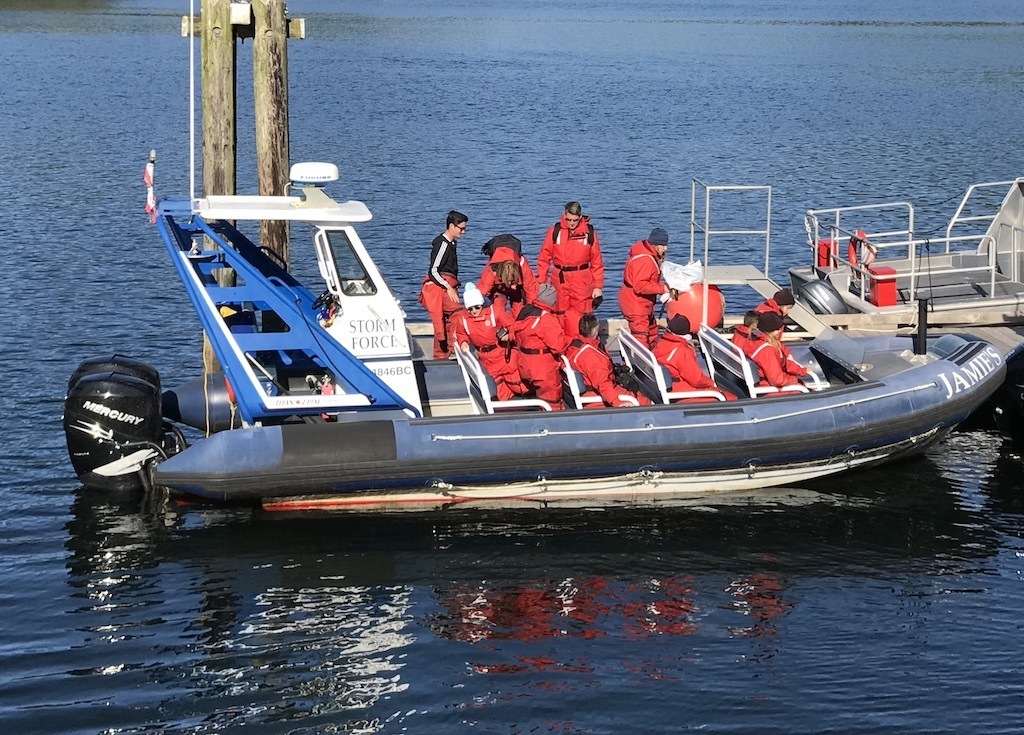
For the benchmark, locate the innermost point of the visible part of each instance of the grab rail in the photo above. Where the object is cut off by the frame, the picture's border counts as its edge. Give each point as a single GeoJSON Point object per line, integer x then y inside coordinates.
{"type": "Point", "coordinates": [886, 240]}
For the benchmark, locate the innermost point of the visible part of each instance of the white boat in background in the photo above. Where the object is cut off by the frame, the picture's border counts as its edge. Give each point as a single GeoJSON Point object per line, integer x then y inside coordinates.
{"type": "Point", "coordinates": [872, 267]}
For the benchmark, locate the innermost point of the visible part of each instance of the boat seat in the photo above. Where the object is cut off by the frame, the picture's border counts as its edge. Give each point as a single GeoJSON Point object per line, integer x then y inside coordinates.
{"type": "Point", "coordinates": [573, 389]}
{"type": "Point", "coordinates": [479, 385]}
{"type": "Point", "coordinates": [653, 376]}
{"type": "Point", "coordinates": [722, 354]}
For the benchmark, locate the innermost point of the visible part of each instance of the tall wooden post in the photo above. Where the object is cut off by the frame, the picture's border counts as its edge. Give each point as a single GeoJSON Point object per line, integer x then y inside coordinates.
{"type": "Point", "coordinates": [270, 94]}
{"type": "Point", "coordinates": [220, 136]}
{"type": "Point", "coordinates": [219, 86]}
{"type": "Point", "coordinates": [220, 24]}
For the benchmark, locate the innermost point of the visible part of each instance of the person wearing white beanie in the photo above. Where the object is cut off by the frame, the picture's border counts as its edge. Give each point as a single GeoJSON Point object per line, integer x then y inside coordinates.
{"type": "Point", "coordinates": [485, 328]}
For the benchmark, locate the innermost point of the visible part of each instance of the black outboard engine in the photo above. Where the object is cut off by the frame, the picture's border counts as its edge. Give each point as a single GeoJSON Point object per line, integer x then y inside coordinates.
{"type": "Point", "coordinates": [822, 297]}
{"type": "Point", "coordinates": [113, 423]}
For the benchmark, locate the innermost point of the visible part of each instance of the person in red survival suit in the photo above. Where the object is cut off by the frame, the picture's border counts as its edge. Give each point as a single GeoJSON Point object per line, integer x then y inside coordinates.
{"type": "Point", "coordinates": [675, 351]}
{"type": "Point", "coordinates": [591, 358]}
{"type": "Point", "coordinates": [745, 335]}
{"type": "Point", "coordinates": [780, 303]}
{"type": "Point", "coordinates": [541, 342]}
{"type": "Point", "coordinates": [439, 294]}
{"type": "Point", "coordinates": [642, 285]}
{"type": "Point", "coordinates": [774, 361]}
{"type": "Point", "coordinates": [507, 279]}
{"type": "Point", "coordinates": [486, 329]}
{"type": "Point", "coordinates": [570, 259]}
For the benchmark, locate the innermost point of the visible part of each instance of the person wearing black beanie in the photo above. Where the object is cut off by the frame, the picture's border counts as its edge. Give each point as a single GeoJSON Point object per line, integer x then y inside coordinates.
{"type": "Point", "coordinates": [775, 363]}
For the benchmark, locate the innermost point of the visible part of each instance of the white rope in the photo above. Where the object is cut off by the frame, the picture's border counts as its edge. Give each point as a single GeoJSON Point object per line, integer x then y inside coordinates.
{"type": "Point", "coordinates": [544, 433]}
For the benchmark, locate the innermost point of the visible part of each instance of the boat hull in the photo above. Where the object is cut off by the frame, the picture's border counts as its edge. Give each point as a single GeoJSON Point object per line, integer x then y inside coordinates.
{"type": "Point", "coordinates": [541, 457]}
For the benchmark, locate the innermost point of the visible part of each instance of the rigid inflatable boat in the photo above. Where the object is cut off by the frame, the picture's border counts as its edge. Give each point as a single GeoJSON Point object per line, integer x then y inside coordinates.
{"type": "Point", "coordinates": [332, 404]}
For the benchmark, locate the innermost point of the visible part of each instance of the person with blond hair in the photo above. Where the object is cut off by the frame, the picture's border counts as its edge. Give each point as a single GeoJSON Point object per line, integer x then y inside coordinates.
{"type": "Point", "coordinates": [507, 279]}
{"type": "Point", "coordinates": [775, 363]}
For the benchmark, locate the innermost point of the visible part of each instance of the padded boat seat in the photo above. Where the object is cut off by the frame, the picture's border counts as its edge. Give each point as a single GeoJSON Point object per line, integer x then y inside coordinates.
{"type": "Point", "coordinates": [653, 376]}
{"type": "Point", "coordinates": [722, 354]}
{"type": "Point", "coordinates": [573, 389]}
{"type": "Point", "coordinates": [479, 385]}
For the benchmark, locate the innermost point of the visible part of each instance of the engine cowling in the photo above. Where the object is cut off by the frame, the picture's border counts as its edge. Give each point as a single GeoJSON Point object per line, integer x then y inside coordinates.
{"type": "Point", "coordinates": [113, 423]}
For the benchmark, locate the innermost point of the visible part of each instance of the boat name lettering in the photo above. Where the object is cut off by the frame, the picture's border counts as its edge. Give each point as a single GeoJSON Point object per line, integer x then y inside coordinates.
{"type": "Point", "coordinates": [373, 334]}
{"type": "Point", "coordinates": [364, 326]}
{"type": "Point", "coordinates": [397, 370]}
{"type": "Point", "coordinates": [968, 375]}
{"type": "Point", "coordinates": [112, 413]}
{"type": "Point", "coordinates": [375, 342]}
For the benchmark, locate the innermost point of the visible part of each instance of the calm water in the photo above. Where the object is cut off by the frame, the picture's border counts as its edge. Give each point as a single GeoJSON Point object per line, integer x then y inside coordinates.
{"type": "Point", "coordinates": [888, 601]}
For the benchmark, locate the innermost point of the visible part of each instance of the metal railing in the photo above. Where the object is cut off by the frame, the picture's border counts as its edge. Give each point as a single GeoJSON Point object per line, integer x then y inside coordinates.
{"type": "Point", "coordinates": [826, 226]}
{"type": "Point", "coordinates": [703, 226]}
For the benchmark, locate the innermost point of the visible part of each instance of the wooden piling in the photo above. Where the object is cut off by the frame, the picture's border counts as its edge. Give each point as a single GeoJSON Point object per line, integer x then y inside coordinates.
{"type": "Point", "coordinates": [270, 95]}
{"type": "Point", "coordinates": [218, 57]}
{"type": "Point", "coordinates": [220, 24]}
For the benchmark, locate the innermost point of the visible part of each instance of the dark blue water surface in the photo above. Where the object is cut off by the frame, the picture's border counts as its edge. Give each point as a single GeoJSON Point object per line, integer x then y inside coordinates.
{"type": "Point", "coordinates": [886, 601]}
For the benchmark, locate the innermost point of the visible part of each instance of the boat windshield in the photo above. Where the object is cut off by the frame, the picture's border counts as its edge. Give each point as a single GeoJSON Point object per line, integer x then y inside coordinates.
{"type": "Point", "coordinates": [352, 276]}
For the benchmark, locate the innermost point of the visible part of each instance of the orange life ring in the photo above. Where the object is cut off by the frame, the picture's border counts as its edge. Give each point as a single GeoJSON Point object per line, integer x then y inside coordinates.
{"type": "Point", "coordinates": [231, 392]}
{"type": "Point", "coordinates": [857, 240]}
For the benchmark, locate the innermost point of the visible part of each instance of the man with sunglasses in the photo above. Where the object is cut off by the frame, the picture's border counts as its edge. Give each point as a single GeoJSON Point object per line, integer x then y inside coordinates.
{"type": "Point", "coordinates": [440, 292]}
{"type": "Point", "coordinates": [572, 254]}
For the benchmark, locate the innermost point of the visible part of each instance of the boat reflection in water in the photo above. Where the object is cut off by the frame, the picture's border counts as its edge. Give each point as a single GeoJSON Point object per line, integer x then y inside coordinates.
{"type": "Point", "coordinates": [377, 623]}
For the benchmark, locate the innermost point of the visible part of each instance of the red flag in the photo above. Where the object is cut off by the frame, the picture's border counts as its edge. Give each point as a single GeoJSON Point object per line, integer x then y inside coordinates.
{"type": "Point", "coordinates": [147, 177]}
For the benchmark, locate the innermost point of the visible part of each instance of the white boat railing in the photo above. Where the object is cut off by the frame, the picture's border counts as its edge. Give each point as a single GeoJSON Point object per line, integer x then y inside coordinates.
{"type": "Point", "coordinates": [700, 219]}
{"type": "Point", "coordinates": [701, 224]}
{"type": "Point", "coordinates": [959, 218]}
{"type": "Point", "coordinates": [893, 240]}
{"type": "Point", "coordinates": [1016, 231]}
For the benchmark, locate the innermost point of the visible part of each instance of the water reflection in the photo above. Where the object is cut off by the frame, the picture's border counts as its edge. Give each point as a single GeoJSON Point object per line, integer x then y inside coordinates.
{"type": "Point", "coordinates": [370, 622]}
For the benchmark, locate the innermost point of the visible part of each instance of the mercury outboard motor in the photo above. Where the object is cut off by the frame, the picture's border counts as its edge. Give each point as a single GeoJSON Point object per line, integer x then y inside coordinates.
{"type": "Point", "coordinates": [113, 423]}
{"type": "Point", "coordinates": [822, 297]}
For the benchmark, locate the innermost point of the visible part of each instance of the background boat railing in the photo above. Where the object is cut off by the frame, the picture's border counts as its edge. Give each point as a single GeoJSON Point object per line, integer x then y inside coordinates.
{"type": "Point", "coordinates": [961, 217]}
{"type": "Point", "coordinates": [733, 207]}
{"type": "Point", "coordinates": [986, 209]}
{"type": "Point", "coordinates": [898, 243]}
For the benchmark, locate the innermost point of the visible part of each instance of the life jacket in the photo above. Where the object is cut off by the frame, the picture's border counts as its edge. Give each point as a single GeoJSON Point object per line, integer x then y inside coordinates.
{"type": "Point", "coordinates": [557, 231]}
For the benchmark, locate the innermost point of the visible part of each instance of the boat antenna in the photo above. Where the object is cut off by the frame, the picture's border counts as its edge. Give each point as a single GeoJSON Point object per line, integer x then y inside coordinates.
{"type": "Point", "coordinates": [192, 102]}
